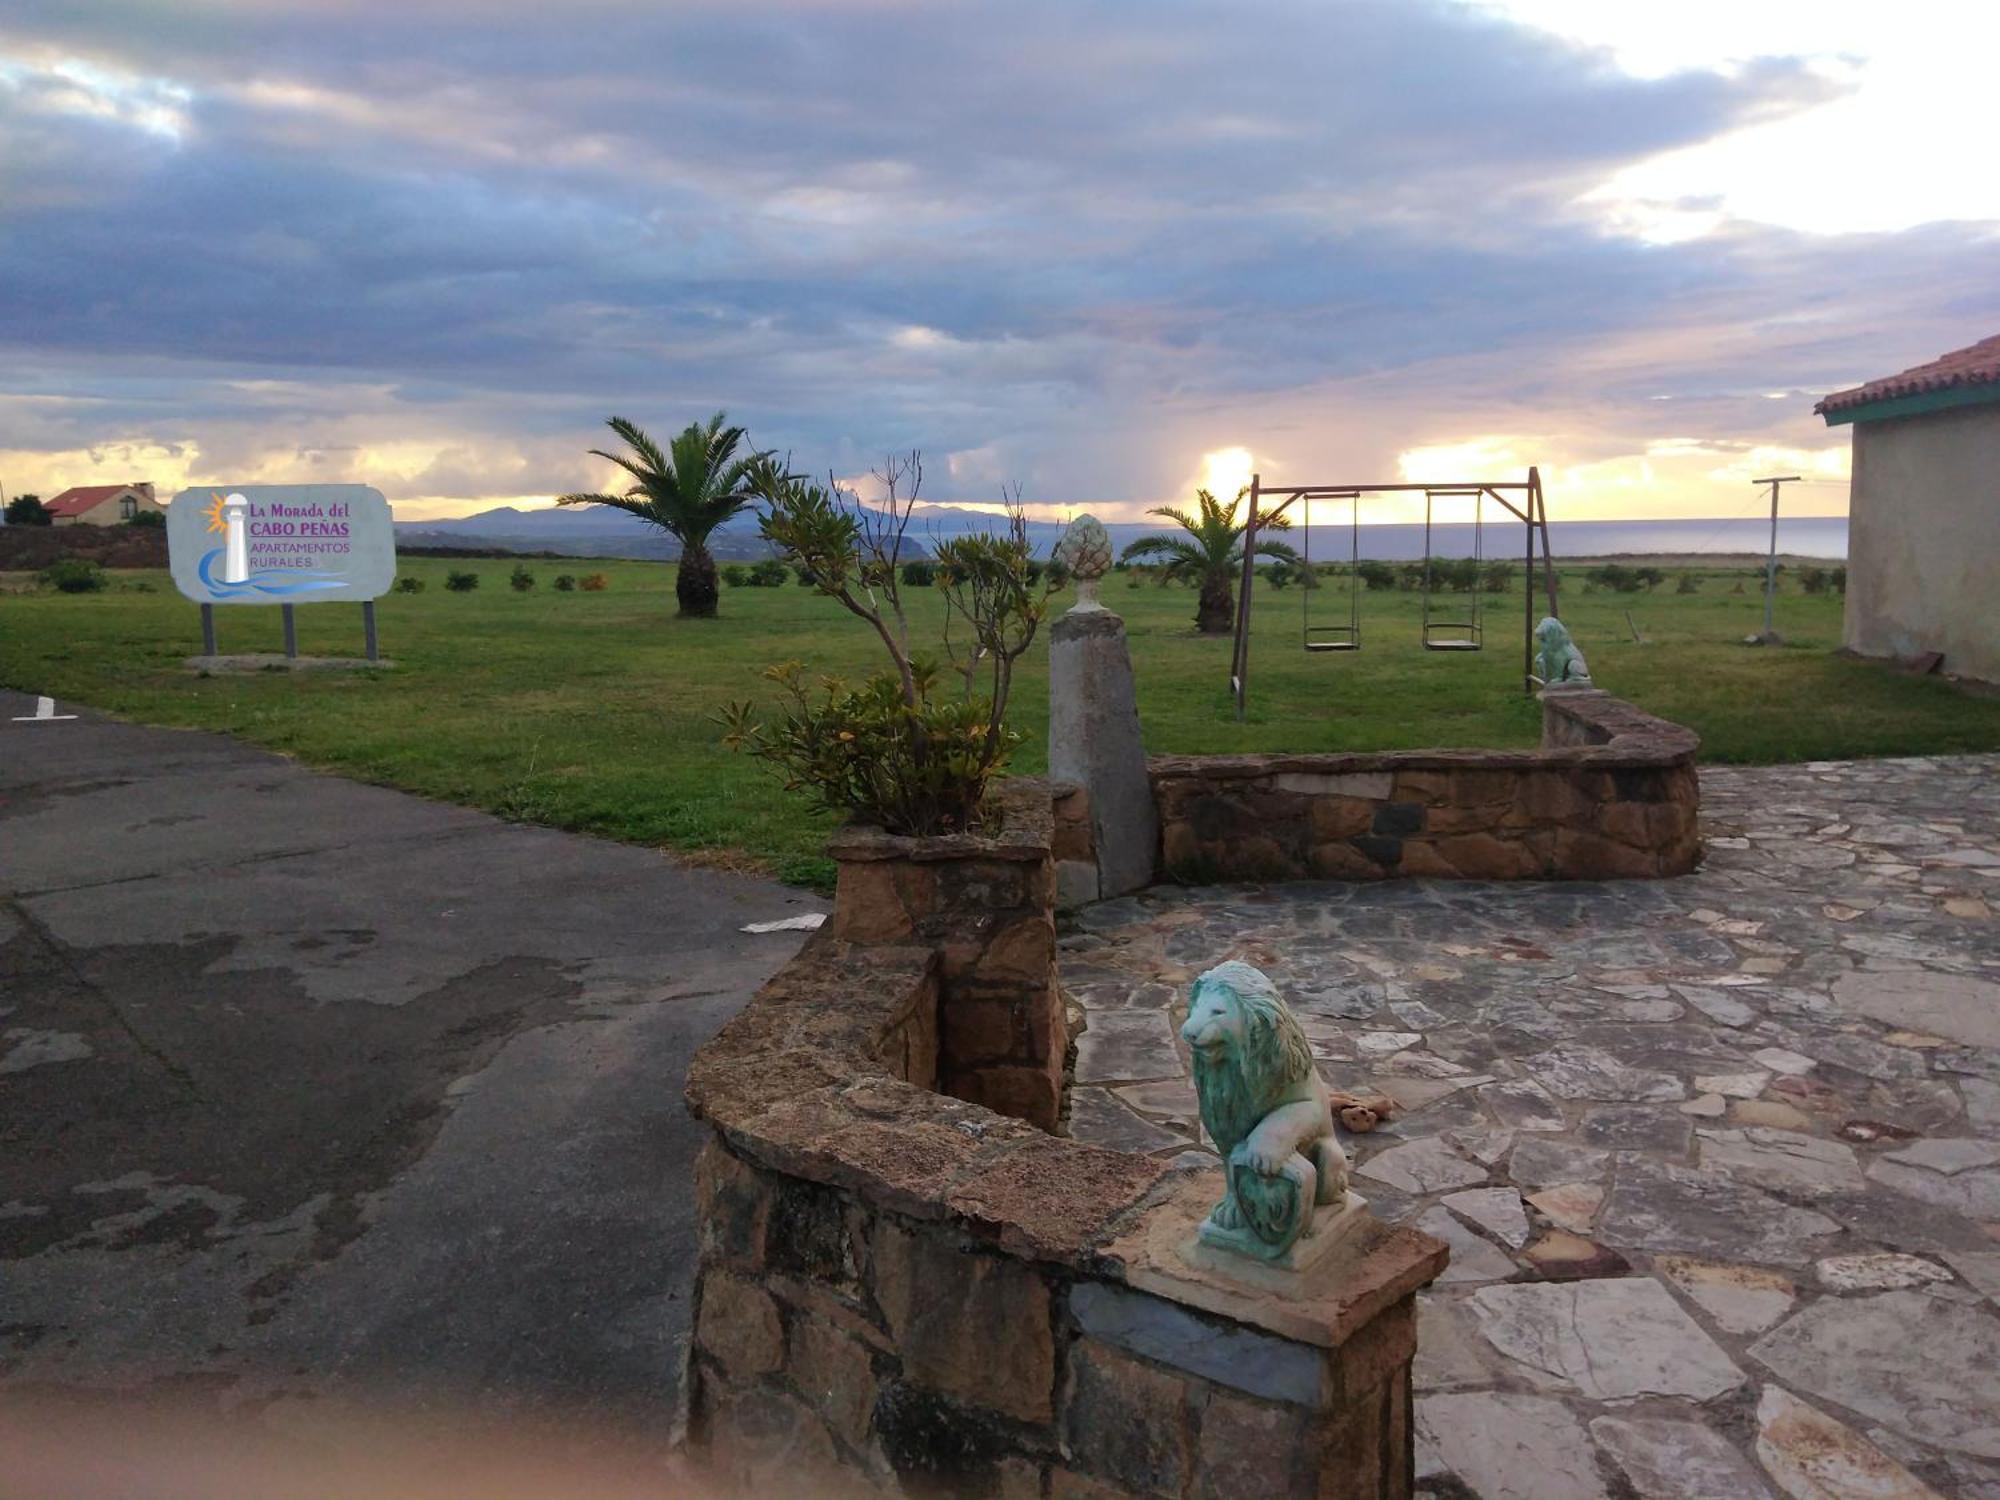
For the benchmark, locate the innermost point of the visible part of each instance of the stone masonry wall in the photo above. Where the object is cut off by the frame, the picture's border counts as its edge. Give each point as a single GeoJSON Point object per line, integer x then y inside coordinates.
{"type": "Point", "coordinates": [986, 905]}
{"type": "Point", "coordinates": [905, 1293]}
{"type": "Point", "coordinates": [1611, 794]}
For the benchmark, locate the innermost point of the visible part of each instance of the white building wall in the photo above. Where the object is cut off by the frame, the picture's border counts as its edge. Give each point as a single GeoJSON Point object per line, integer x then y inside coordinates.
{"type": "Point", "coordinates": [1923, 539]}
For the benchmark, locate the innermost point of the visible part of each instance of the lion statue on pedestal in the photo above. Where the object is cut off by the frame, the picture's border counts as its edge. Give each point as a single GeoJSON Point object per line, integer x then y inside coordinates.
{"type": "Point", "coordinates": [1267, 1109]}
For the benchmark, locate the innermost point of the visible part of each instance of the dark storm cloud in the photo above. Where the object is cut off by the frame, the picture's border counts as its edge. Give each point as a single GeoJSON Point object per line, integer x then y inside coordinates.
{"type": "Point", "coordinates": [854, 224]}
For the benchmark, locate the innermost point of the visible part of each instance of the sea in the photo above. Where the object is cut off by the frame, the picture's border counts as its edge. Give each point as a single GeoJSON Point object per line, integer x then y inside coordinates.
{"type": "Point", "coordinates": [1802, 536]}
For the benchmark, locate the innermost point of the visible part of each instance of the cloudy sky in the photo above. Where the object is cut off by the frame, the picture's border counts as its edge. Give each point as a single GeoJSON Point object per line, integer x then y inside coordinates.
{"type": "Point", "coordinates": [1106, 251]}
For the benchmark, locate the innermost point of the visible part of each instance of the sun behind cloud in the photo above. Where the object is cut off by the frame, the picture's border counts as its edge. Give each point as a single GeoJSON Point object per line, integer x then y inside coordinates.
{"type": "Point", "coordinates": [1223, 472]}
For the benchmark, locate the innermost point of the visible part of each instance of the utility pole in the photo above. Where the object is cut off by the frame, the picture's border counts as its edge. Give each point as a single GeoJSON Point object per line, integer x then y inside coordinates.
{"type": "Point", "coordinates": [1770, 636]}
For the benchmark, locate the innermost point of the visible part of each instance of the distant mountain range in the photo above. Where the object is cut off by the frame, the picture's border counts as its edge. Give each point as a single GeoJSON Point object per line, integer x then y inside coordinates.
{"type": "Point", "coordinates": [601, 531]}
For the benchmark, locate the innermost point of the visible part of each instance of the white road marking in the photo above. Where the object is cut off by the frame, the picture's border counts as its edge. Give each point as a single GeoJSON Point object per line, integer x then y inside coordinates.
{"type": "Point", "coordinates": [804, 923]}
{"type": "Point", "coordinates": [45, 712]}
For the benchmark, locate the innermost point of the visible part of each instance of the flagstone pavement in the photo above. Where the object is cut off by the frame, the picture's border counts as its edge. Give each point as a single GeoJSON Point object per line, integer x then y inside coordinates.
{"type": "Point", "coordinates": [1718, 1157]}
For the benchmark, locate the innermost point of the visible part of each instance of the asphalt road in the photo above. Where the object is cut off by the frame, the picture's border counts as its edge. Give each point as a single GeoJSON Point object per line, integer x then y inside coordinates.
{"type": "Point", "coordinates": [310, 1089]}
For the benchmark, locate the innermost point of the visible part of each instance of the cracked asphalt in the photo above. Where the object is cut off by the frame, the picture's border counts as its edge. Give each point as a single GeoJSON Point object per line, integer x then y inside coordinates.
{"type": "Point", "coordinates": [313, 1090]}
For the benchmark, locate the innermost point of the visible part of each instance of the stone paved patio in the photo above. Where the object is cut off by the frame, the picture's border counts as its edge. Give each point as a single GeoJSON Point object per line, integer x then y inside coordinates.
{"type": "Point", "coordinates": [1718, 1157]}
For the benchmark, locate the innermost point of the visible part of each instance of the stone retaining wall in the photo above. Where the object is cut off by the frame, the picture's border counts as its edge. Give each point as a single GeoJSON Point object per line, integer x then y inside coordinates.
{"type": "Point", "coordinates": [986, 905]}
{"type": "Point", "coordinates": [906, 1293]}
{"type": "Point", "coordinates": [1611, 794]}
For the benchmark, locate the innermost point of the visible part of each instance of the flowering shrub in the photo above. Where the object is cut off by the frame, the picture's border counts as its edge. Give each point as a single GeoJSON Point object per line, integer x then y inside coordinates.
{"type": "Point", "coordinates": [922, 767]}
{"type": "Point", "coordinates": [899, 750]}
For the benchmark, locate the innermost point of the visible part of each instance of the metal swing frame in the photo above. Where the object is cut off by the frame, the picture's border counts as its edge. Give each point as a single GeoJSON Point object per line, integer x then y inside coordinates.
{"type": "Point", "coordinates": [1472, 636]}
{"type": "Point", "coordinates": [1531, 511]}
{"type": "Point", "coordinates": [1332, 637]}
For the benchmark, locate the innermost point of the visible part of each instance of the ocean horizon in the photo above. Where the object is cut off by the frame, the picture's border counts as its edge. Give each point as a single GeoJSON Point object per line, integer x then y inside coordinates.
{"type": "Point", "coordinates": [1800, 536]}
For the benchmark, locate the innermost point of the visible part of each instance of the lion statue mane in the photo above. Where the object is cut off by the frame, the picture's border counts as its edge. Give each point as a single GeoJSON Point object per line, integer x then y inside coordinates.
{"type": "Point", "coordinates": [1264, 1104]}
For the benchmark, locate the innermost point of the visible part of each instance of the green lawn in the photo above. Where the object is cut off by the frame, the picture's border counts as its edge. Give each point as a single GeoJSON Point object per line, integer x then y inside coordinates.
{"type": "Point", "coordinates": [592, 711]}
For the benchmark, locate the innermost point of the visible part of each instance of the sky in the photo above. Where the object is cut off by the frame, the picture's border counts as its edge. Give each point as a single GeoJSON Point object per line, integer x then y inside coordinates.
{"type": "Point", "coordinates": [1105, 252]}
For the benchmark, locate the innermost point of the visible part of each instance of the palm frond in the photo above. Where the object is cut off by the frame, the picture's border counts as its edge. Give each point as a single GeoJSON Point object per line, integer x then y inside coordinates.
{"type": "Point", "coordinates": [620, 502]}
{"type": "Point", "coordinates": [636, 438]}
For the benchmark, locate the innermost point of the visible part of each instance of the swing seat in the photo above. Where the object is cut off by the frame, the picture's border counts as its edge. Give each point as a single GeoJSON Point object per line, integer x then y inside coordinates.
{"type": "Point", "coordinates": [1342, 638]}
{"type": "Point", "coordinates": [1467, 640]}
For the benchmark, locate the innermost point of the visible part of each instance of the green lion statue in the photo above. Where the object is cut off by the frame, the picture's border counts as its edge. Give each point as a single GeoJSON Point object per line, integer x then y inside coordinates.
{"type": "Point", "coordinates": [1556, 656]}
{"type": "Point", "coordinates": [1266, 1107]}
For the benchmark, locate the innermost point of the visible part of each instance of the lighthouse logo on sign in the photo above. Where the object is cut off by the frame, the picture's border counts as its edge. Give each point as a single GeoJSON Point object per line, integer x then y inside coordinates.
{"type": "Point", "coordinates": [281, 544]}
{"type": "Point", "coordinates": [230, 515]}
{"type": "Point", "coordinates": [226, 569]}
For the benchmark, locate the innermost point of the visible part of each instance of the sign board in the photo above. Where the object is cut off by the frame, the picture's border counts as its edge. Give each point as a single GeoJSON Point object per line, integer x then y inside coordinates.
{"type": "Point", "coordinates": [281, 543]}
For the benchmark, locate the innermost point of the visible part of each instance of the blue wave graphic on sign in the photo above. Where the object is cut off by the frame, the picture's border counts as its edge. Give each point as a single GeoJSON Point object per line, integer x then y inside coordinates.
{"type": "Point", "coordinates": [275, 581]}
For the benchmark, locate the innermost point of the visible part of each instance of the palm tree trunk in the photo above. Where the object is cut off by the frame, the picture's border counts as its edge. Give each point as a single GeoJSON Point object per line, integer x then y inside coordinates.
{"type": "Point", "coordinates": [1215, 614]}
{"type": "Point", "coordinates": [694, 583]}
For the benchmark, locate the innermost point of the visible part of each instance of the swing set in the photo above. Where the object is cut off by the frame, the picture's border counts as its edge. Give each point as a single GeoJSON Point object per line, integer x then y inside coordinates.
{"type": "Point", "coordinates": [1441, 630]}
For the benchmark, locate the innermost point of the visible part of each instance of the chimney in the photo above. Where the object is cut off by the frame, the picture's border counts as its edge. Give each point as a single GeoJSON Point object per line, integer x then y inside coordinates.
{"type": "Point", "coordinates": [145, 489]}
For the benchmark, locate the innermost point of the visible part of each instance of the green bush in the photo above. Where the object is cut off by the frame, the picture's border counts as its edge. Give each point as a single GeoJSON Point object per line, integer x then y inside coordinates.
{"type": "Point", "coordinates": [143, 518]}
{"type": "Point", "coordinates": [28, 510]}
{"type": "Point", "coordinates": [1815, 580]}
{"type": "Point", "coordinates": [461, 583]}
{"type": "Point", "coordinates": [866, 751]}
{"type": "Point", "coordinates": [768, 574]}
{"type": "Point", "coordinates": [1621, 579]}
{"type": "Point", "coordinates": [565, 583]}
{"type": "Point", "coordinates": [1497, 578]}
{"type": "Point", "coordinates": [74, 576]}
{"type": "Point", "coordinates": [1458, 575]}
{"type": "Point", "coordinates": [1378, 576]}
{"type": "Point", "coordinates": [520, 580]}
{"type": "Point", "coordinates": [409, 584]}
{"type": "Point", "coordinates": [920, 574]}
{"type": "Point", "coordinates": [1690, 583]}
{"type": "Point", "coordinates": [1284, 573]}
{"type": "Point", "coordinates": [898, 750]}
{"type": "Point", "coordinates": [735, 575]}
{"type": "Point", "coordinates": [1838, 578]}
{"type": "Point", "coordinates": [593, 583]}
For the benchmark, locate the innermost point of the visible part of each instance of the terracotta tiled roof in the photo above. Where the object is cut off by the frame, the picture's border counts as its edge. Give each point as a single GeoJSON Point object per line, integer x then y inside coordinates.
{"type": "Point", "coordinates": [1977, 365]}
{"type": "Point", "coordinates": [74, 502]}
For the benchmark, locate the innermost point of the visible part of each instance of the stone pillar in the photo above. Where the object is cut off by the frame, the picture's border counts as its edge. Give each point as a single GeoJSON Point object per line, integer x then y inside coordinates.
{"type": "Point", "coordinates": [1301, 1378]}
{"type": "Point", "coordinates": [1094, 743]}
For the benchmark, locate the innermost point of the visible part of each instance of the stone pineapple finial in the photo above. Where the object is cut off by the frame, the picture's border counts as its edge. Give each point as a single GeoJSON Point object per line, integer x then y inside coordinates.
{"type": "Point", "coordinates": [1086, 551]}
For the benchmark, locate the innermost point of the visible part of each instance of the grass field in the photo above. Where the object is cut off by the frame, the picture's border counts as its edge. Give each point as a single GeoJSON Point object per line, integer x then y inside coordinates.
{"type": "Point", "coordinates": [592, 711]}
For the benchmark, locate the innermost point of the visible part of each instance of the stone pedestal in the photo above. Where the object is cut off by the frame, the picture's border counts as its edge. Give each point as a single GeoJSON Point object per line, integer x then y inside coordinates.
{"type": "Point", "coordinates": [1094, 742]}
{"type": "Point", "coordinates": [1314, 1362]}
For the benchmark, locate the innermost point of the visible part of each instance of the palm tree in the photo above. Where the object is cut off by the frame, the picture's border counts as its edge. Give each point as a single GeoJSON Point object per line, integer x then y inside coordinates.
{"type": "Point", "coordinates": [1210, 555]}
{"type": "Point", "coordinates": [693, 487]}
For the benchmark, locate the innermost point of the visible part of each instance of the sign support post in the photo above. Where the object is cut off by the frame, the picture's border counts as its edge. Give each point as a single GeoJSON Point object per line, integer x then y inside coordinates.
{"type": "Point", "coordinates": [291, 632]}
{"type": "Point", "coordinates": [368, 628]}
{"type": "Point", "coordinates": [208, 630]}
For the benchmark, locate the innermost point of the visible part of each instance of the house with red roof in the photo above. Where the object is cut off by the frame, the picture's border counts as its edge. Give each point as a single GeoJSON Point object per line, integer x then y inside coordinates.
{"type": "Point", "coordinates": [1923, 525]}
{"type": "Point", "coordinates": [101, 504]}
